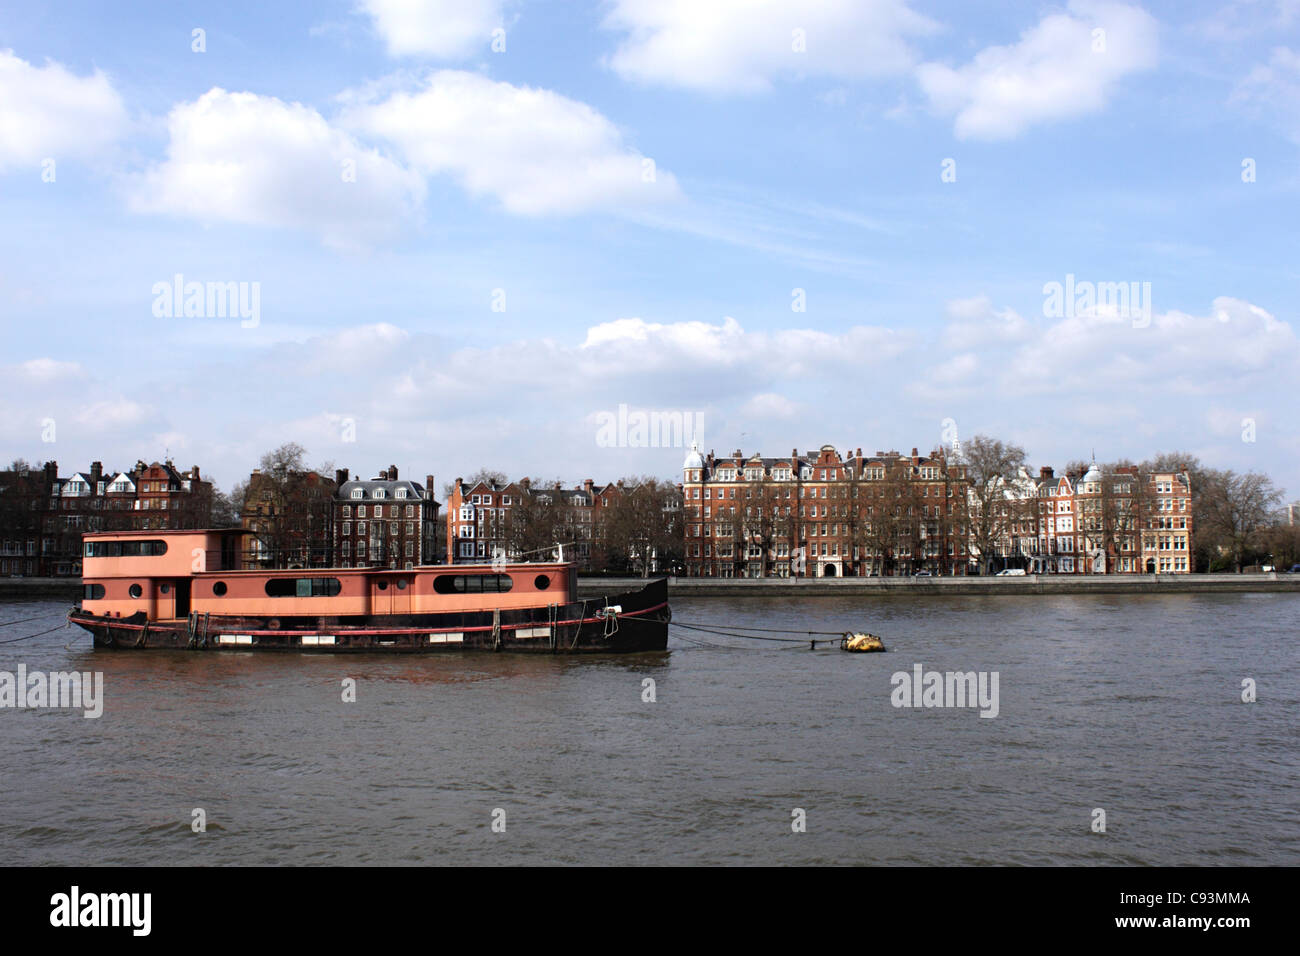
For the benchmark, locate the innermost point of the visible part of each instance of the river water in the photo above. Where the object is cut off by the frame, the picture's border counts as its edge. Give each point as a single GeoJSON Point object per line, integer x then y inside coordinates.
{"type": "Point", "coordinates": [1132, 705]}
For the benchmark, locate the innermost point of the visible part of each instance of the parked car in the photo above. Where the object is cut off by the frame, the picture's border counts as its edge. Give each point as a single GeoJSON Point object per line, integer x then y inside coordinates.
{"type": "Point", "coordinates": [1294, 569]}
{"type": "Point", "coordinates": [1011, 573]}
{"type": "Point", "coordinates": [922, 574]}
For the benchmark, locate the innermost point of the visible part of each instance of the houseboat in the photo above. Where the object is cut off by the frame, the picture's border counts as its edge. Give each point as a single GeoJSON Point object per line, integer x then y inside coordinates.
{"type": "Point", "coordinates": [186, 590]}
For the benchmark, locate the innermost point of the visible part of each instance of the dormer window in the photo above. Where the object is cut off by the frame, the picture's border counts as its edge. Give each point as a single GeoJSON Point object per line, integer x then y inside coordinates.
{"type": "Point", "coordinates": [400, 493]}
{"type": "Point", "coordinates": [379, 493]}
{"type": "Point", "coordinates": [358, 493]}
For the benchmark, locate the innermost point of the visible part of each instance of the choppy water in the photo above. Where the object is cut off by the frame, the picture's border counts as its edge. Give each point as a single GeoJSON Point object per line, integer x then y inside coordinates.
{"type": "Point", "coordinates": [1129, 704]}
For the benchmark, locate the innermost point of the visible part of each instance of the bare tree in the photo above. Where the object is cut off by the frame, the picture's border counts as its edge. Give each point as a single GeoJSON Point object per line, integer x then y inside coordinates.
{"type": "Point", "coordinates": [227, 508]}
{"type": "Point", "coordinates": [536, 523]}
{"type": "Point", "coordinates": [643, 525]}
{"type": "Point", "coordinates": [1238, 509]}
{"type": "Point", "coordinates": [291, 509]}
{"type": "Point", "coordinates": [989, 464]}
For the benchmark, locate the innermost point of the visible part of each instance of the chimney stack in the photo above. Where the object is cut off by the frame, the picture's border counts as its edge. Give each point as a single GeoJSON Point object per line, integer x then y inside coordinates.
{"type": "Point", "coordinates": [96, 471]}
{"type": "Point", "coordinates": [428, 485]}
{"type": "Point", "coordinates": [392, 472]}
{"type": "Point", "coordinates": [525, 481]}
{"type": "Point", "coordinates": [1045, 472]}
{"type": "Point", "coordinates": [586, 485]}
{"type": "Point", "coordinates": [340, 476]}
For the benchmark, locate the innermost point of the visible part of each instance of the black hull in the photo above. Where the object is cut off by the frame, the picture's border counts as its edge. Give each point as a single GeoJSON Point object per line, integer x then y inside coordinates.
{"type": "Point", "coordinates": [579, 627]}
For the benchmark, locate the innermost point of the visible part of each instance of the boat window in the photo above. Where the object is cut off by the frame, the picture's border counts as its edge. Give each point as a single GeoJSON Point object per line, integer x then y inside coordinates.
{"type": "Point", "coordinates": [219, 588]}
{"type": "Point", "coordinates": [94, 592]}
{"type": "Point", "coordinates": [472, 583]}
{"type": "Point", "coordinates": [302, 587]}
{"type": "Point", "coordinates": [541, 582]}
{"type": "Point", "coordinates": [136, 591]}
{"type": "Point", "coordinates": [125, 549]}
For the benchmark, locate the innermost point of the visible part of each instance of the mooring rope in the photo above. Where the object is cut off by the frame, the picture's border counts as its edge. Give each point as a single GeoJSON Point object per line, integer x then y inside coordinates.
{"type": "Point", "coordinates": [30, 636]}
{"type": "Point", "coordinates": [22, 620]}
{"type": "Point", "coordinates": [835, 636]}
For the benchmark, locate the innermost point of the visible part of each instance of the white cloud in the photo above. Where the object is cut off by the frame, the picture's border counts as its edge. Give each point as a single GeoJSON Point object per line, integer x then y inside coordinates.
{"type": "Point", "coordinates": [111, 414]}
{"type": "Point", "coordinates": [1101, 355]}
{"type": "Point", "coordinates": [446, 29]}
{"type": "Point", "coordinates": [731, 46]}
{"type": "Point", "coordinates": [770, 405]}
{"type": "Point", "coordinates": [46, 370]}
{"type": "Point", "coordinates": [1055, 71]}
{"type": "Point", "coordinates": [49, 112]}
{"type": "Point", "coordinates": [256, 160]}
{"type": "Point", "coordinates": [535, 151]}
{"type": "Point", "coordinates": [975, 323]}
{"type": "Point", "coordinates": [1273, 90]}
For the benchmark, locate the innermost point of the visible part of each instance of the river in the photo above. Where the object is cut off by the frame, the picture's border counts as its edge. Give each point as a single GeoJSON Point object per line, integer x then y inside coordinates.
{"type": "Point", "coordinates": [1131, 705]}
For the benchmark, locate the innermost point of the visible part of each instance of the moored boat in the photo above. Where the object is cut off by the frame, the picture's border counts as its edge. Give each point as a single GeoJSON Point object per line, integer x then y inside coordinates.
{"type": "Point", "coordinates": [184, 590]}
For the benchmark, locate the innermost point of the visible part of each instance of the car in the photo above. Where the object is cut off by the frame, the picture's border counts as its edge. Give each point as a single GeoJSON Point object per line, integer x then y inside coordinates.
{"type": "Point", "coordinates": [922, 574]}
{"type": "Point", "coordinates": [1011, 573]}
{"type": "Point", "coordinates": [1294, 569]}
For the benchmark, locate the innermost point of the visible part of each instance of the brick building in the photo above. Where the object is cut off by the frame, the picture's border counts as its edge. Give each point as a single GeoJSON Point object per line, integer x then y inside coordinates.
{"type": "Point", "coordinates": [289, 518]}
{"type": "Point", "coordinates": [42, 516]}
{"type": "Point", "coordinates": [823, 514]}
{"type": "Point", "coordinates": [1125, 522]}
{"type": "Point", "coordinates": [487, 519]}
{"type": "Point", "coordinates": [385, 521]}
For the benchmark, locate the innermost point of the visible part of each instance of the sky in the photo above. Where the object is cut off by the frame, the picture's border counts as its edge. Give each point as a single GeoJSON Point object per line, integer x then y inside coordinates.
{"type": "Point", "coordinates": [467, 233]}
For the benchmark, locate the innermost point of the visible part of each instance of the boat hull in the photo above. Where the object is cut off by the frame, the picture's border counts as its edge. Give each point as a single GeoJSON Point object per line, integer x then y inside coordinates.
{"type": "Point", "coordinates": [579, 627]}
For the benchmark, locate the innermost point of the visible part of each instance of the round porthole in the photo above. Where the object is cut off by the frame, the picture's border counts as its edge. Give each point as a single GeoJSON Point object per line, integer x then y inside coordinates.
{"type": "Point", "coordinates": [401, 584]}
{"type": "Point", "coordinates": [136, 590]}
{"type": "Point", "coordinates": [219, 588]}
{"type": "Point", "coordinates": [383, 585]}
{"type": "Point", "coordinates": [541, 582]}
{"type": "Point", "coordinates": [165, 588]}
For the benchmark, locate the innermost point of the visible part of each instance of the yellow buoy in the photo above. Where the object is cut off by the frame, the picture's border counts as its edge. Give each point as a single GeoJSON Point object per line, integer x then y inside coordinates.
{"type": "Point", "coordinates": [862, 643]}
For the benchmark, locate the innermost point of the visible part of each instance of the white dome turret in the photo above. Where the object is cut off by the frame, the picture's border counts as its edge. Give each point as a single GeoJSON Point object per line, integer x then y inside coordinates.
{"type": "Point", "coordinates": [693, 458]}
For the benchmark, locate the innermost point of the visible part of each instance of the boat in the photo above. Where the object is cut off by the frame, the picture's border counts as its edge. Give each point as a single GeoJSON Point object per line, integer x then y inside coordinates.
{"type": "Point", "coordinates": [185, 590]}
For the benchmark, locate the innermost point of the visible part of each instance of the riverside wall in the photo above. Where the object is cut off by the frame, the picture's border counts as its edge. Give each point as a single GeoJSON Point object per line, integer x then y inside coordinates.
{"type": "Point", "coordinates": [1029, 584]}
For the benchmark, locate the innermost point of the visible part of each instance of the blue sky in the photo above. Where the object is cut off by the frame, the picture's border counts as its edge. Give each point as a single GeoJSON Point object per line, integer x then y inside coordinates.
{"type": "Point", "coordinates": [519, 178]}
